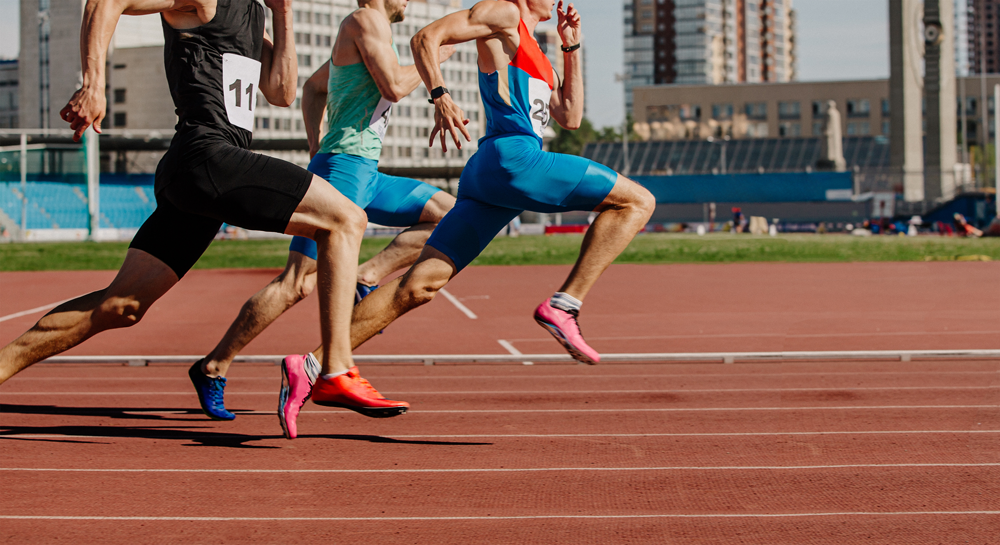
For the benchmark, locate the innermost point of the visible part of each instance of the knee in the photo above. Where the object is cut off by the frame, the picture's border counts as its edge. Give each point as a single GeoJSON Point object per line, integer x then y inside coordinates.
{"type": "Point", "coordinates": [350, 221]}
{"type": "Point", "coordinates": [420, 291]}
{"type": "Point", "coordinates": [118, 312]}
{"type": "Point", "coordinates": [645, 202]}
{"type": "Point", "coordinates": [297, 287]}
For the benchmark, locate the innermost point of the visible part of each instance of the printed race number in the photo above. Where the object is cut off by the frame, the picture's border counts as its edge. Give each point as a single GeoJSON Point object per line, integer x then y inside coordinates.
{"type": "Point", "coordinates": [239, 83]}
{"type": "Point", "coordinates": [538, 99]}
{"type": "Point", "coordinates": [380, 119]}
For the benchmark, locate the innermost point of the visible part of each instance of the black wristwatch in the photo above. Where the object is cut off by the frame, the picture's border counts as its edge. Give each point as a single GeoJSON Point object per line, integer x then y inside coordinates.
{"type": "Point", "coordinates": [437, 93]}
{"type": "Point", "coordinates": [571, 48]}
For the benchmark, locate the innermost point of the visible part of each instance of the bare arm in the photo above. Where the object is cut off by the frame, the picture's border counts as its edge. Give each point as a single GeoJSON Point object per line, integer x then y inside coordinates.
{"type": "Point", "coordinates": [373, 38]}
{"type": "Point", "coordinates": [485, 20]}
{"type": "Point", "coordinates": [313, 103]}
{"type": "Point", "coordinates": [88, 106]}
{"type": "Point", "coordinates": [279, 67]}
{"type": "Point", "coordinates": [566, 104]}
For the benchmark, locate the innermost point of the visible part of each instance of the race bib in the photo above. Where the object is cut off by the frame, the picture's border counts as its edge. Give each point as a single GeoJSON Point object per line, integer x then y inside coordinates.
{"type": "Point", "coordinates": [538, 103]}
{"type": "Point", "coordinates": [240, 76]}
{"type": "Point", "coordinates": [380, 119]}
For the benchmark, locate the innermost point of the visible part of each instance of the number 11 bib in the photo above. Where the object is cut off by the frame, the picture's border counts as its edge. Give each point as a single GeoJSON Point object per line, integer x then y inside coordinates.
{"type": "Point", "coordinates": [239, 84]}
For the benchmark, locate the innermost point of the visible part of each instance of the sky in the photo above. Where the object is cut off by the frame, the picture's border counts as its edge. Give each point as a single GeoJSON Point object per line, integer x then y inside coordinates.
{"type": "Point", "coordinates": [837, 40]}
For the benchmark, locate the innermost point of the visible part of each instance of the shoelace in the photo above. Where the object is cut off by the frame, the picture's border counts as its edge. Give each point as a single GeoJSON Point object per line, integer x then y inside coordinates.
{"type": "Point", "coordinates": [371, 389]}
{"type": "Point", "coordinates": [216, 392]}
{"type": "Point", "coordinates": [575, 314]}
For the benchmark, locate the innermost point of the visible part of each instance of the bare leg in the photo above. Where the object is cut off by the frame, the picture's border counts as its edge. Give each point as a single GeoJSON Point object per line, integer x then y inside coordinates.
{"type": "Point", "coordinates": [624, 212]}
{"type": "Point", "coordinates": [142, 280]}
{"type": "Point", "coordinates": [295, 283]}
{"type": "Point", "coordinates": [405, 248]}
{"type": "Point", "coordinates": [298, 280]}
{"type": "Point", "coordinates": [417, 287]}
{"type": "Point", "coordinates": [337, 225]}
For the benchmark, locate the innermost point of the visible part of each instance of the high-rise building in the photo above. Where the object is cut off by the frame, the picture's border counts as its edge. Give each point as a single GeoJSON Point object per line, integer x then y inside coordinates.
{"type": "Point", "coordinates": [8, 94]}
{"type": "Point", "coordinates": [708, 42]}
{"type": "Point", "coordinates": [982, 27]}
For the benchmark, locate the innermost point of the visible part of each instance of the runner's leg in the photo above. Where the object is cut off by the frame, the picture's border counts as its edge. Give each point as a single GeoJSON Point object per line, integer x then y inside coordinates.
{"type": "Point", "coordinates": [141, 280]}
{"type": "Point", "coordinates": [622, 215]}
{"type": "Point", "coordinates": [404, 250]}
{"type": "Point", "coordinates": [295, 283]}
{"type": "Point", "coordinates": [337, 225]}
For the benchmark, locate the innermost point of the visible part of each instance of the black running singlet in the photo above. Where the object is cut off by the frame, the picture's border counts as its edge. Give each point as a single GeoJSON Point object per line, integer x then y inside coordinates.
{"type": "Point", "coordinates": [213, 72]}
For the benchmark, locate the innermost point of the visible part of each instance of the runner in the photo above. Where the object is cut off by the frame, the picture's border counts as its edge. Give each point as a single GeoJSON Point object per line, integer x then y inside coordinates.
{"type": "Point", "coordinates": [510, 173]}
{"type": "Point", "coordinates": [364, 79]}
{"type": "Point", "coordinates": [215, 66]}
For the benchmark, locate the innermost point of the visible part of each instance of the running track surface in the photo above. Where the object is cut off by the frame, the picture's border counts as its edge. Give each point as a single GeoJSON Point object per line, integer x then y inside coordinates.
{"type": "Point", "coordinates": [807, 452]}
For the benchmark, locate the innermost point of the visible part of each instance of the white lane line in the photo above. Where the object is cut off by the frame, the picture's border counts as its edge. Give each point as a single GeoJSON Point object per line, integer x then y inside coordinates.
{"type": "Point", "coordinates": [569, 435]}
{"type": "Point", "coordinates": [493, 469]}
{"type": "Point", "coordinates": [458, 304]}
{"type": "Point", "coordinates": [510, 348]}
{"type": "Point", "coordinates": [521, 517]}
{"type": "Point", "coordinates": [528, 392]}
{"type": "Point", "coordinates": [345, 412]}
{"type": "Point", "coordinates": [63, 376]}
{"type": "Point", "coordinates": [34, 310]}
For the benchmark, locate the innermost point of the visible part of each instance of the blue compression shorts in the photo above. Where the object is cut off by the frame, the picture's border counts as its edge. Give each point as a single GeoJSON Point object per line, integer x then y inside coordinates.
{"type": "Point", "coordinates": [506, 176]}
{"type": "Point", "coordinates": [388, 200]}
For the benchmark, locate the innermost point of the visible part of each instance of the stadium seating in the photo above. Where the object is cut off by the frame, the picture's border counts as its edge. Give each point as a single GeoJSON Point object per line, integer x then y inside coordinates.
{"type": "Point", "coordinates": [57, 205]}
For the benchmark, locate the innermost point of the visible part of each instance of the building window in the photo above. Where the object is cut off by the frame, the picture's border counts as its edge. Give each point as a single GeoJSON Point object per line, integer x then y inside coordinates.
{"type": "Point", "coordinates": [885, 107]}
{"type": "Point", "coordinates": [817, 128]}
{"type": "Point", "coordinates": [819, 108]}
{"type": "Point", "coordinates": [120, 119]}
{"type": "Point", "coordinates": [858, 128]}
{"type": "Point", "coordinates": [722, 111]}
{"type": "Point", "coordinates": [789, 110]}
{"type": "Point", "coordinates": [789, 130]}
{"type": "Point", "coordinates": [265, 123]}
{"type": "Point", "coordinates": [119, 96]}
{"type": "Point", "coordinates": [756, 110]}
{"type": "Point", "coordinates": [858, 107]}
{"type": "Point", "coordinates": [885, 128]}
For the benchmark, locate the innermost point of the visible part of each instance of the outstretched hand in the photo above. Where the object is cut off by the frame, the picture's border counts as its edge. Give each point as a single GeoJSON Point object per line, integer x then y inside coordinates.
{"type": "Point", "coordinates": [85, 108]}
{"type": "Point", "coordinates": [449, 118]}
{"type": "Point", "coordinates": [568, 24]}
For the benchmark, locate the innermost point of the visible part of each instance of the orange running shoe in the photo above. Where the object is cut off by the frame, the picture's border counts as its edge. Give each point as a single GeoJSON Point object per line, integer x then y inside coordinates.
{"type": "Point", "coordinates": [350, 391]}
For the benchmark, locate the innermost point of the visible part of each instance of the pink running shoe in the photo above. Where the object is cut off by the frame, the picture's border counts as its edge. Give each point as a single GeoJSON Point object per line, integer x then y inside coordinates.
{"type": "Point", "coordinates": [298, 373]}
{"type": "Point", "coordinates": [565, 328]}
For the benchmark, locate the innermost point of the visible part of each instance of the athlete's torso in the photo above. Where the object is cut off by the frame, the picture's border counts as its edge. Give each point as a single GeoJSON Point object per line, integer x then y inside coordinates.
{"type": "Point", "coordinates": [356, 114]}
{"type": "Point", "coordinates": [213, 72]}
{"type": "Point", "coordinates": [516, 96]}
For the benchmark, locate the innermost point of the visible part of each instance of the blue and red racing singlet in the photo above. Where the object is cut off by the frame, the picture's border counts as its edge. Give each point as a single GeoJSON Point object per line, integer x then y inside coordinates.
{"type": "Point", "coordinates": [516, 96]}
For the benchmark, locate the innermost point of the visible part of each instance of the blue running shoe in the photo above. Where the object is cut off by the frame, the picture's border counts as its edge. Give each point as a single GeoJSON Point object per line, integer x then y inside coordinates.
{"type": "Point", "coordinates": [210, 390]}
{"type": "Point", "coordinates": [362, 291]}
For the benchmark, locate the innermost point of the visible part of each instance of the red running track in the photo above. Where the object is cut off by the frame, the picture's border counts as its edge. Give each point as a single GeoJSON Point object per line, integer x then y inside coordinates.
{"type": "Point", "coordinates": [806, 452]}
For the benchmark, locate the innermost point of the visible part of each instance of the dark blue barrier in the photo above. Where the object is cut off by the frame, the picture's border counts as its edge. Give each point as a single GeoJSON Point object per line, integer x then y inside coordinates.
{"type": "Point", "coordinates": [776, 187]}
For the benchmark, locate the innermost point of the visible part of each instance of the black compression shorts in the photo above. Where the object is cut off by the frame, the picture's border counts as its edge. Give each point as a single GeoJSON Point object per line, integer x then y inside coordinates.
{"type": "Point", "coordinates": [233, 186]}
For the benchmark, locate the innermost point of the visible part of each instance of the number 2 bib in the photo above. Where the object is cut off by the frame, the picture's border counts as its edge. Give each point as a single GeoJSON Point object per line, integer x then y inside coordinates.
{"type": "Point", "coordinates": [239, 84]}
{"type": "Point", "coordinates": [538, 102]}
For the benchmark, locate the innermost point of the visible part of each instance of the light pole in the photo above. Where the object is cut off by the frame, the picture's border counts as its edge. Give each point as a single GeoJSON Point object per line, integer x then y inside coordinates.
{"type": "Point", "coordinates": [722, 155]}
{"type": "Point", "coordinates": [623, 78]}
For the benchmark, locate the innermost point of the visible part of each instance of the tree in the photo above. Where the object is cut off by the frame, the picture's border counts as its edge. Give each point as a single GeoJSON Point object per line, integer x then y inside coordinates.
{"type": "Point", "coordinates": [572, 142]}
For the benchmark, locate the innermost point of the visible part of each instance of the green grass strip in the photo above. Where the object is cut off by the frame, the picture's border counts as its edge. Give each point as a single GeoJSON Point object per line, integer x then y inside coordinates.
{"type": "Point", "coordinates": [539, 250]}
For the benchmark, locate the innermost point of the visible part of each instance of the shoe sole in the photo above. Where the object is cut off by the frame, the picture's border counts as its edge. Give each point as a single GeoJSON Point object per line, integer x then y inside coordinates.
{"type": "Point", "coordinates": [283, 398]}
{"type": "Point", "coordinates": [557, 333]}
{"type": "Point", "coordinates": [204, 408]}
{"type": "Point", "coordinates": [370, 412]}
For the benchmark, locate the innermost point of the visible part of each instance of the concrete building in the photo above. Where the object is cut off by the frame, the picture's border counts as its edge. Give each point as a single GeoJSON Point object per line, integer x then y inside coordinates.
{"type": "Point", "coordinates": [708, 42]}
{"type": "Point", "coordinates": [783, 110]}
{"type": "Point", "coordinates": [982, 27]}
{"type": "Point", "coordinates": [8, 94]}
{"type": "Point", "coordinates": [764, 110]}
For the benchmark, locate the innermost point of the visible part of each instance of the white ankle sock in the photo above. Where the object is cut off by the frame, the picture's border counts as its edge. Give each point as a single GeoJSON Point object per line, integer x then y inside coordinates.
{"type": "Point", "coordinates": [334, 375]}
{"type": "Point", "coordinates": [565, 302]}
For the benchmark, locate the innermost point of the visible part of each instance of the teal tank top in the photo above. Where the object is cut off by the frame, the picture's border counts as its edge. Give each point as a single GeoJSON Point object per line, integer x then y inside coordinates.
{"type": "Point", "coordinates": [356, 114]}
